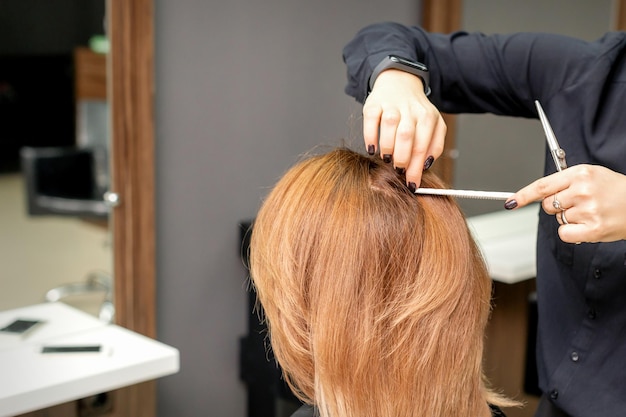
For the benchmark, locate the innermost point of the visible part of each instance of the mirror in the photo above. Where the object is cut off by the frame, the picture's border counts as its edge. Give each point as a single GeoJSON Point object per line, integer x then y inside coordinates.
{"type": "Point", "coordinates": [38, 106]}
{"type": "Point", "coordinates": [130, 239]}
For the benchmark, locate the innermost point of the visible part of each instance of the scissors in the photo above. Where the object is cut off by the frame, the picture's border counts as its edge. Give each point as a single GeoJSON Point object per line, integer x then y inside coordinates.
{"type": "Point", "coordinates": [558, 154]}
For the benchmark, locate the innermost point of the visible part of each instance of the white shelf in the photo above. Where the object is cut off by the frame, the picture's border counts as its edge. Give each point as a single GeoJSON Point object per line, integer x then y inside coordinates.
{"type": "Point", "coordinates": [507, 240]}
{"type": "Point", "coordinates": [31, 380]}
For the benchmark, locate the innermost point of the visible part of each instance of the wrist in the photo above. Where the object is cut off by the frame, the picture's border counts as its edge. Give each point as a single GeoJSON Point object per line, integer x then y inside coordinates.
{"type": "Point", "coordinates": [403, 64]}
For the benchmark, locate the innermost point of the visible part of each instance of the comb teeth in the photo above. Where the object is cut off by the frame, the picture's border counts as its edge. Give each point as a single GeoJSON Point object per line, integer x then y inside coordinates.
{"type": "Point", "coordinates": [480, 195]}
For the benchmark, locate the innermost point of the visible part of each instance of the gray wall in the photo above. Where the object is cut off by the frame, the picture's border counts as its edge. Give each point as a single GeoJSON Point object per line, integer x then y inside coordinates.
{"type": "Point", "coordinates": [242, 89]}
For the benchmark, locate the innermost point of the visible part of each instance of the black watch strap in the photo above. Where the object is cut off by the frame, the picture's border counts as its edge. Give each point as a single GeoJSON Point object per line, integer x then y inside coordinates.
{"type": "Point", "coordinates": [402, 64]}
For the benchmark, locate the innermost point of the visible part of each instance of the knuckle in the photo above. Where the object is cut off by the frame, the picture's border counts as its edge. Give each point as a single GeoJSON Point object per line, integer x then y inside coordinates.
{"type": "Point", "coordinates": [438, 148]}
{"type": "Point", "coordinates": [442, 125]}
{"type": "Point", "coordinates": [415, 152]}
{"type": "Point", "coordinates": [425, 116]}
{"type": "Point", "coordinates": [583, 176]}
{"type": "Point", "coordinates": [419, 148]}
{"type": "Point", "coordinates": [595, 234]}
{"type": "Point", "coordinates": [586, 191]}
{"type": "Point", "coordinates": [371, 110]}
{"type": "Point", "coordinates": [405, 133]}
{"type": "Point", "coordinates": [391, 117]}
{"type": "Point", "coordinates": [542, 185]}
{"type": "Point", "coordinates": [583, 171]}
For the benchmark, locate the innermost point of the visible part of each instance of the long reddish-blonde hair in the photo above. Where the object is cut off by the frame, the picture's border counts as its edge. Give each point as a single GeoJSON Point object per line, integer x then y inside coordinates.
{"type": "Point", "coordinates": [375, 299]}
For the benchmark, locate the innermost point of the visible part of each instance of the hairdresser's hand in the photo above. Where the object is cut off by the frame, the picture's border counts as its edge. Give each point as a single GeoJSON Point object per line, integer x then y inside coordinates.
{"type": "Point", "coordinates": [412, 131]}
{"type": "Point", "coordinates": [593, 199]}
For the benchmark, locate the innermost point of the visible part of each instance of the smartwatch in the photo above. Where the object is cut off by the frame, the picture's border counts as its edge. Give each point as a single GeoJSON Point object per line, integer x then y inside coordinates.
{"type": "Point", "coordinates": [402, 64]}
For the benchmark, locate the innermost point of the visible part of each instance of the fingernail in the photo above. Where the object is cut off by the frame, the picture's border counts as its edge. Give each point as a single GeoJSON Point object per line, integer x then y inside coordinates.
{"type": "Point", "coordinates": [400, 170]}
{"type": "Point", "coordinates": [412, 187]}
{"type": "Point", "coordinates": [387, 158]}
{"type": "Point", "coordinates": [510, 205]}
{"type": "Point", "coordinates": [371, 149]}
{"type": "Point", "coordinates": [428, 162]}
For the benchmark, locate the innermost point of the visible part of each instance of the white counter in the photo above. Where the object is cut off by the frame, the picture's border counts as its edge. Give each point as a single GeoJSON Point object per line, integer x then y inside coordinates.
{"type": "Point", "coordinates": [508, 240]}
{"type": "Point", "coordinates": [31, 380]}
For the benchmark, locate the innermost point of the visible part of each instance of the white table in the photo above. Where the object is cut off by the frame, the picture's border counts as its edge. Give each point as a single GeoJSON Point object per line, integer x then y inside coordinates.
{"type": "Point", "coordinates": [508, 240]}
{"type": "Point", "coordinates": [31, 380]}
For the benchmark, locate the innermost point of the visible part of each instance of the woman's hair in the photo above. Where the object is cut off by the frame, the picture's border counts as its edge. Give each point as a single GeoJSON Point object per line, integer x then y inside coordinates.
{"type": "Point", "coordinates": [376, 299]}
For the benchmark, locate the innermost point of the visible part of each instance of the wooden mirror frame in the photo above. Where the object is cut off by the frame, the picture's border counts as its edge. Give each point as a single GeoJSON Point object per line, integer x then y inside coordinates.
{"type": "Point", "coordinates": [131, 93]}
{"type": "Point", "coordinates": [130, 27]}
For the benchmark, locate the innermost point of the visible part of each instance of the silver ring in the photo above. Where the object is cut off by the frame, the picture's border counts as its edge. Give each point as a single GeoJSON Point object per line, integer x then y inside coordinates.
{"type": "Point", "coordinates": [563, 218]}
{"type": "Point", "coordinates": [556, 203]}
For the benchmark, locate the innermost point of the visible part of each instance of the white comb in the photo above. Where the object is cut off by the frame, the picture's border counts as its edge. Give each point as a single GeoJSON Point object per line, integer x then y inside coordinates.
{"type": "Point", "coordinates": [482, 195]}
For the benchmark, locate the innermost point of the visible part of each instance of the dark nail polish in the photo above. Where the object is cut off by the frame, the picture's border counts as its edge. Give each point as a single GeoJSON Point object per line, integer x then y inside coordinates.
{"type": "Point", "coordinates": [387, 158]}
{"type": "Point", "coordinates": [371, 149]}
{"type": "Point", "coordinates": [428, 162]}
{"type": "Point", "coordinates": [510, 205]}
{"type": "Point", "coordinates": [400, 170]}
{"type": "Point", "coordinates": [412, 187]}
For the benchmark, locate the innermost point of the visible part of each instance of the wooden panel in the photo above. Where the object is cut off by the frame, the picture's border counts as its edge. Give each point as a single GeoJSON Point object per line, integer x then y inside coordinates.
{"type": "Point", "coordinates": [444, 16]}
{"type": "Point", "coordinates": [131, 97]}
{"type": "Point", "coordinates": [90, 74]}
{"type": "Point", "coordinates": [620, 15]}
{"type": "Point", "coordinates": [131, 92]}
{"type": "Point", "coordinates": [62, 410]}
{"type": "Point", "coordinates": [506, 341]}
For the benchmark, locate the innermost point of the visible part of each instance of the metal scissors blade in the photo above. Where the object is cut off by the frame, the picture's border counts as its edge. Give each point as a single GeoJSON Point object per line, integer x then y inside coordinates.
{"type": "Point", "coordinates": [483, 195]}
{"type": "Point", "coordinates": [558, 154]}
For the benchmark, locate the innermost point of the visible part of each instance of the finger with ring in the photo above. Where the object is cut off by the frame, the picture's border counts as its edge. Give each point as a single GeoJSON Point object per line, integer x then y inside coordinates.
{"type": "Point", "coordinates": [563, 218]}
{"type": "Point", "coordinates": [556, 203]}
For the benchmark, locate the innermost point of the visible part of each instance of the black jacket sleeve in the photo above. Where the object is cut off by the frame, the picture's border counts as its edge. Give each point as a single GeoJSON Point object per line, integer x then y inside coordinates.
{"type": "Point", "coordinates": [478, 73]}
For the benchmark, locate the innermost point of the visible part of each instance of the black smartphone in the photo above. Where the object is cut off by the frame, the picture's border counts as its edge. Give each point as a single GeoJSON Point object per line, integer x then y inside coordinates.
{"type": "Point", "coordinates": [20, 326]}
{"type": "Point", "coordinates": [70, 349]}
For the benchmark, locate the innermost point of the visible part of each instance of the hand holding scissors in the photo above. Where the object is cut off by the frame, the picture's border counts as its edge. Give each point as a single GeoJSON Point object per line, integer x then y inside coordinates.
{"type": "Point", "coordinates": [594, 197]}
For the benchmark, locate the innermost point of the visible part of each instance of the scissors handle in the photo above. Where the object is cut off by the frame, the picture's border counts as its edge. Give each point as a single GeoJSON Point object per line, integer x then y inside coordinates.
{"type": "Point", "coordinates": [558, 154]}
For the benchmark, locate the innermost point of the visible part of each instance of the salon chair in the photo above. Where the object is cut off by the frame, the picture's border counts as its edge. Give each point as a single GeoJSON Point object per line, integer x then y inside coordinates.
{"type": "Point", "coordinates": [268, 393]}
